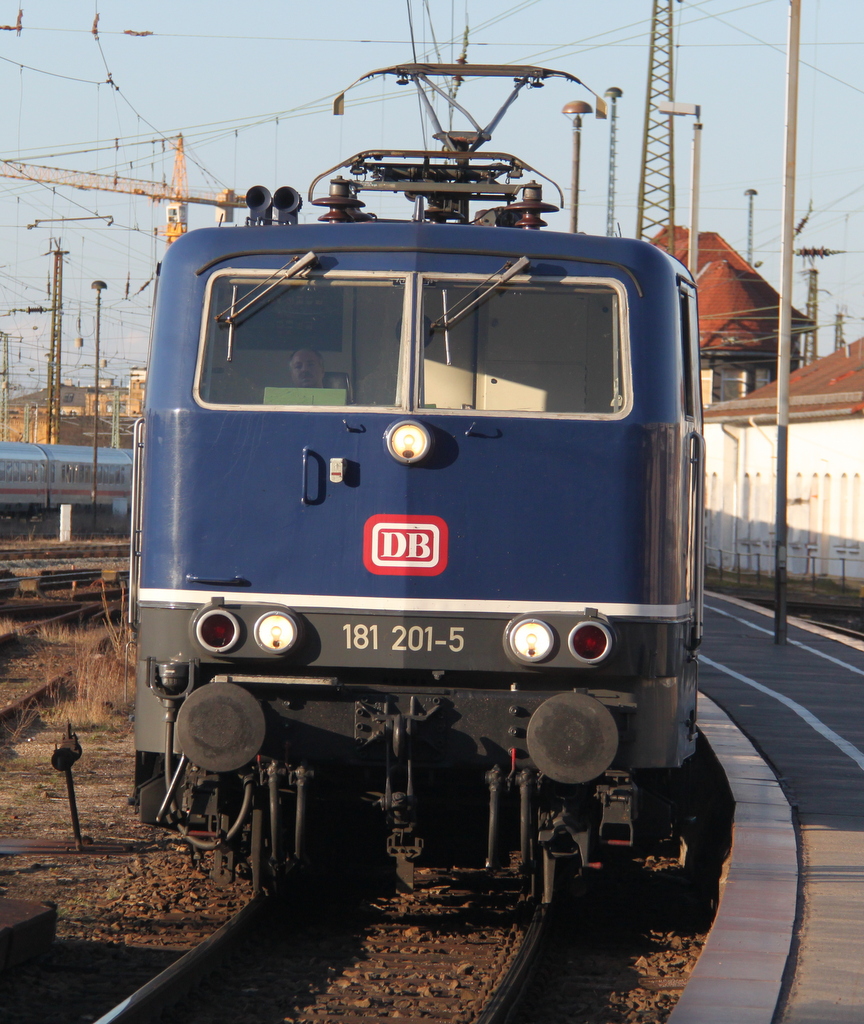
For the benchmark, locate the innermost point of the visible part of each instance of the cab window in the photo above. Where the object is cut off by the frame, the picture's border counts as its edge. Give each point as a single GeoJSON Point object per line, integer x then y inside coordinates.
{"type": "Point", "coordinates": [311, 342]}
{"type": "Point", "coordinates": [534, 347]}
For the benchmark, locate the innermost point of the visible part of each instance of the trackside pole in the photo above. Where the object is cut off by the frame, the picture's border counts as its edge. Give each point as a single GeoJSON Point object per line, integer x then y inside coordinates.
{"type": "Point", "coordinates": [784, 345]}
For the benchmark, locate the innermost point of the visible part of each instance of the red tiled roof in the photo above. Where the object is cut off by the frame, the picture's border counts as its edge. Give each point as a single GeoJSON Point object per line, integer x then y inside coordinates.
{"type": "Point", "coordinates": [832, 386]}
{"type": "Point", "coordinates": [738, 308]}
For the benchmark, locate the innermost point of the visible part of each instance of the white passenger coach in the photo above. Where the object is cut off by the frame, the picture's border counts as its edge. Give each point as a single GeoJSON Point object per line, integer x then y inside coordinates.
{"type": "Point", "coordinates": [35, 478]}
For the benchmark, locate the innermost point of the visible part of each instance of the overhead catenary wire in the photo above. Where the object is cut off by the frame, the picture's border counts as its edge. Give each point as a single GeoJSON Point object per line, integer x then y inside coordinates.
{"type": "Point", "coordinates": [211, 135]}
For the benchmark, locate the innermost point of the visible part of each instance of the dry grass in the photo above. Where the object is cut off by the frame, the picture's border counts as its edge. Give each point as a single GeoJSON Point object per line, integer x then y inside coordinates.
{"type": "Point", "coordinates": [13, 730]}
{"type": "Point", "coordinates": [92, 658]}
{"type": "Point", "coordinates": [52, 633]}
{"type": "Point", "coordinates": [94, 697]}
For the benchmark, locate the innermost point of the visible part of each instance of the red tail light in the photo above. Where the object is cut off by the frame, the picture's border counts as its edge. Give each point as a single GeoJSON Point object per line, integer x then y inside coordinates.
{"type": "Point", "coordinates": [590, 642]}
{"type": "Point", "coordinates": [217, 630]}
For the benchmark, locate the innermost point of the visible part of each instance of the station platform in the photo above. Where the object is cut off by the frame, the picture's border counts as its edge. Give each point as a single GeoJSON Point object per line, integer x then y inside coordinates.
{"type": "Point", "coordinates": [802, 706]}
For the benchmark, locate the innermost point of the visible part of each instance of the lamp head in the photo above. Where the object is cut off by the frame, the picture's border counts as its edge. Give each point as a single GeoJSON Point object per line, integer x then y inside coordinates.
{"type": "Point", "coordinates": [577, 108]}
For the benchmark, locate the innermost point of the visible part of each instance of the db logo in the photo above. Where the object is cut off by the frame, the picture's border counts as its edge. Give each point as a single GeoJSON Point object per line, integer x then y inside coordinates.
{"type": "Point", "coordinates": [405, 545]}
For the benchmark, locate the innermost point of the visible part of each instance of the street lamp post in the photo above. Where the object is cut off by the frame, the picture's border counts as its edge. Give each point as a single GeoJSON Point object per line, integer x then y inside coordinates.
{"type": "Point", "coordinates": [750, 193]}
{"type": "Point", "coordinates": [575, 110]}
{"type": "Point", "coordinates": [98, 285]}
{"type": "Point", "coordinates": [694, 110]}
{"type": "Point", "coordinates": [614, 94]}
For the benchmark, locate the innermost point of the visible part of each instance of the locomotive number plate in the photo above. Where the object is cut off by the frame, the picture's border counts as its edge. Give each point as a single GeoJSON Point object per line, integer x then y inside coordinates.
{"type": "Point", "coordinates": [361, 636]}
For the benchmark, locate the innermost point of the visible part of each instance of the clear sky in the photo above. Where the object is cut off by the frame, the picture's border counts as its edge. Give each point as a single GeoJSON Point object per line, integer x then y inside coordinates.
{"type": "Point", "coordinates": [250, 87]}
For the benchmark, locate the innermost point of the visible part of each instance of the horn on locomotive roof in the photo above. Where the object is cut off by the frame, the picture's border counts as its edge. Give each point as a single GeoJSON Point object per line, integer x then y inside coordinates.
{"type": "Point", "coordinates": [420, 75]}
{"type": "Point", "coordinates": [260, 204]}
{"type": "Point", "coordinates": [287, 203]}
{"type": "Point", "coordinates": [285, 200]}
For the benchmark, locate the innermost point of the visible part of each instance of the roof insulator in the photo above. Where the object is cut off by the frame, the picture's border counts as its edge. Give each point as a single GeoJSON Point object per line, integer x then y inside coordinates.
{"type": "Point", "coordinates": [344, 206]}
{"type": "Point", "coordinates": [531, 206]}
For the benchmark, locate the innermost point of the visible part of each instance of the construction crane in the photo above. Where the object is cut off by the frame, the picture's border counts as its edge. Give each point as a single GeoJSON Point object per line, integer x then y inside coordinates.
{"type": "Point", "coordinates": [177, 194]}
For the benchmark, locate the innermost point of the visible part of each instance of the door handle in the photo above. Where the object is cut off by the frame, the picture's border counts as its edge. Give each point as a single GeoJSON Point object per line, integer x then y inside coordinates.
{"type": "Point", "coordinates": [233, 581]}
{"type": "Point", "coordinates": [312, 464]}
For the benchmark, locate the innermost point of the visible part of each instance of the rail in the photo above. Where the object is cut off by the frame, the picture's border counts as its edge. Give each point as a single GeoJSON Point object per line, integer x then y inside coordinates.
{"type": "Point", "coordinates": [63, 578]}
{"type": "Point", "coordinates": [49, 550]}
{"type": "Point", "coordinates": [514, 984]}
{"type": "Point", "coordinates": [175, 981]}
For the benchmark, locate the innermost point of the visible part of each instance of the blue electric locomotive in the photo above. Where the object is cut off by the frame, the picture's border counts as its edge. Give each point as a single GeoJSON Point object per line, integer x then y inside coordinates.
{"type": "Point", "coordinates": [417, 555]}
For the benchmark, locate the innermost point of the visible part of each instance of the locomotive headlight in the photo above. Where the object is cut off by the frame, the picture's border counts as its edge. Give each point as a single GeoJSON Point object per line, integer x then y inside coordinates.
{"type": "Point", "coordinates": [277, 632]}
{"type": "Point", "coordinates": [590, 642]}
{"type": "Point", "coordinates": [530, 640]}
{"type": "Point", "coordinates": [217, 630]}
{"type": "Point", "coordinates": [408, 441]}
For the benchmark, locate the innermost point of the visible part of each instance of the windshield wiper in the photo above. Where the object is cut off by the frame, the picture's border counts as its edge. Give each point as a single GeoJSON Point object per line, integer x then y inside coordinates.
{"type": "Point", "coordinates": [230, 314]}
{"type": "Point", "coordinates": [458, 313]}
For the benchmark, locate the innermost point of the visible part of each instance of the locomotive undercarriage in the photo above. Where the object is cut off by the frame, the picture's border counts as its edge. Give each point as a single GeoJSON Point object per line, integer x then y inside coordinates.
{"type": "Point", "coordinates": [272, 818]}
{"type": "Point", "coordinates": [395, 764]}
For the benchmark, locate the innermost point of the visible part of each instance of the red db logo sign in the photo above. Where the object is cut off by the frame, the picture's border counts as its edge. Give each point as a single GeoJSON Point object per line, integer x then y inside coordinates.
{"type": "Point", "coordinates": [405, 545]}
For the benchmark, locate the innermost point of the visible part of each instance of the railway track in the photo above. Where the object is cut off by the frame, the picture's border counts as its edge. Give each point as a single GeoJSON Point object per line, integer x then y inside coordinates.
{"type": "Point", "coordinates": [821, 610]}
{"type": "Point", "coordinates": [799, 604]}
{"type": "Point", "coordinates": [58, 579]}
{"type": "Point", "coordinates": [62, 552]}
{"type": "Point", "coordinates": [460, 951]}
{"type": "Point", "coordinates": [855, 634]}
{"type": "Point", "coordinates": [148, 1002]}
{"type": "Point", "coordinates": [32, 572]}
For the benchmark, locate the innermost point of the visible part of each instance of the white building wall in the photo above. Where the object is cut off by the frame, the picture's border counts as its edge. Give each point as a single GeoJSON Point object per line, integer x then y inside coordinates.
{"type": "Point", "coordinates": [825, 513]}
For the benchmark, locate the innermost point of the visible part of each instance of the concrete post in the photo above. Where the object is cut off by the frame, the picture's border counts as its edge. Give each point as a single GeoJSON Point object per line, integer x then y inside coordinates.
{"type": "Point", "coordinates": [65, 522]}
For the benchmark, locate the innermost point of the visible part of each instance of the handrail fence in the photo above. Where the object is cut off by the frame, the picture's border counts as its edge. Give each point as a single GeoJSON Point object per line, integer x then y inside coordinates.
{"type": "Point", "coordinates": [753, 565]}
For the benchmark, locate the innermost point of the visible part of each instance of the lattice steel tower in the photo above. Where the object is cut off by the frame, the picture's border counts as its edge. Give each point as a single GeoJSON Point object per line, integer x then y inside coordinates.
{"type": "Point", "coordinates": [656, 204]}
{"type": "Point", "coordinates": [839, 341]}
{"type": "Point", "coordinates": [55, 352]}
{"type": "Point", "coordinates": [810, 347]}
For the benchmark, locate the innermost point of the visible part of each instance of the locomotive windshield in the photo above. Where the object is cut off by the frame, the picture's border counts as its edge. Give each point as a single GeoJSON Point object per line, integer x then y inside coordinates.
{"type": "Point", "coordinates": [528, 348]}
{"type": "Point", "coordinates": [319, 341]}
{"type": "Point", "coordinates": [525, 347]}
